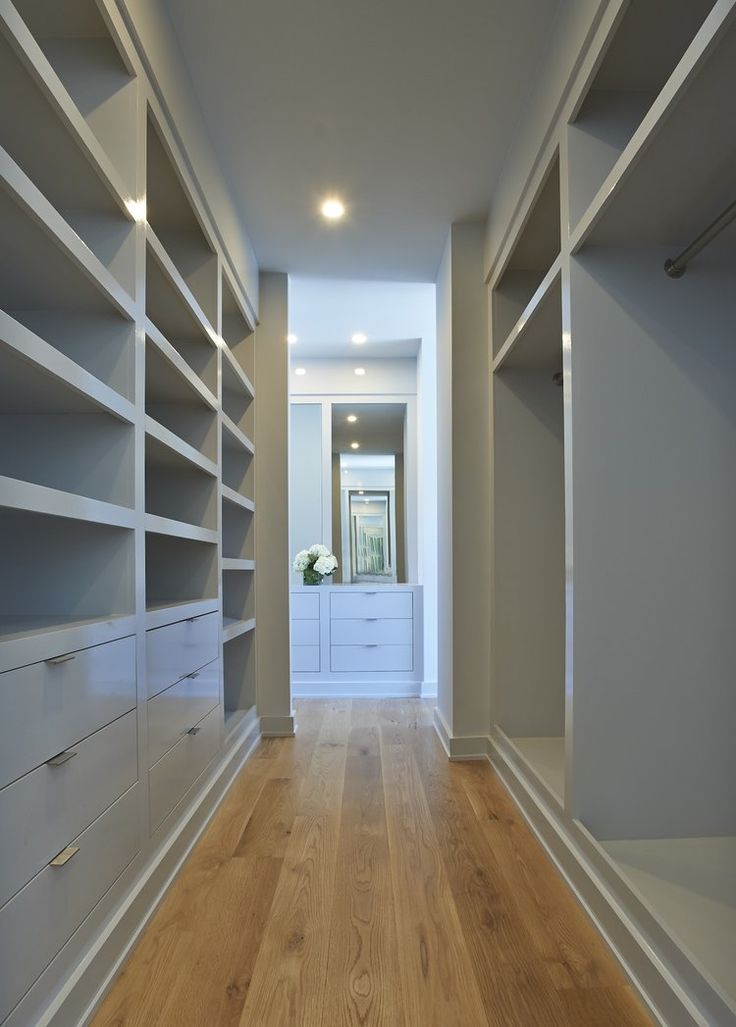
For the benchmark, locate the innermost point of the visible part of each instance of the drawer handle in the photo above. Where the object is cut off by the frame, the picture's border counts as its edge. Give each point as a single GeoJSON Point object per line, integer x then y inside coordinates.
{"type": "Point", "coordinates": [194, 730]}
{"type": "Point", "coordinates": [60, 758]}
{"type": "Point", "coordinates": [194, 675]}
{"type": "Point", "coordinates": [370, 619]}
{"type": "Point", "coordinates": [370, 593]}
{"type": "Point", "coordinates": [371, 645]}
{"type": "Point", "coordinates": [54, 661]}
{"type": "Point", "coordinates": [64, 856]}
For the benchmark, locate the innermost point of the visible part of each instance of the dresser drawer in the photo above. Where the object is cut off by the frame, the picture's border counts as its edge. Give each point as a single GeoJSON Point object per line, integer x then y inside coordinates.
{"type": "Point", "coordinates": [305, 632]}
{"type": "Point", "coordinates": [305, 659]}
{"type": "Point", "coordinates": [42, 811]}
{"type": "Point", "coordinates": [372, 629]}
{"type": "Point", "coordinates": [179, 707]}
{"type": "Point", "coordinates": [304, 607]}
{"type": "Point", "coordinates": [176, 650]}
{"type": "Point", "coordinates": [356, 605]}
{"type": "Point", "coordinates": [47, 707]}
{"type": "Point", "coordinates": [177, 771]}
{"type": "Point", "coordinates": [37, 921]}
{"type": "Point", "coordinates": [369, 658]}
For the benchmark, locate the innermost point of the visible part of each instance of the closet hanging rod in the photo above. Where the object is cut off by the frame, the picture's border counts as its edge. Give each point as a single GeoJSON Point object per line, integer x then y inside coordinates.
{"type": "Point", "coordinates": [676, 268]}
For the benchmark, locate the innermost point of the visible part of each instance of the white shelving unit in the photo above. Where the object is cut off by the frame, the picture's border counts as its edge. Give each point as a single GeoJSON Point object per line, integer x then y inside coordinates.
{"type": "Point", "coordinates": [614, 502]}
{"type": "Point", "coordinates": [127, 499]}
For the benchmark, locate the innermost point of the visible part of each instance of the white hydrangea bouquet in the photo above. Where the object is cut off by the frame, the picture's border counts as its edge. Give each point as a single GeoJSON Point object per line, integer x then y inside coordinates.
{"type": "Point", "coordinates": [315, 564]}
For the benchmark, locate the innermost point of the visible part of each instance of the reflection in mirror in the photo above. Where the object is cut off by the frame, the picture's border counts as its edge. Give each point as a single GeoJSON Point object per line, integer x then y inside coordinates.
{"type": "Point", "coordinates": [368, 492]}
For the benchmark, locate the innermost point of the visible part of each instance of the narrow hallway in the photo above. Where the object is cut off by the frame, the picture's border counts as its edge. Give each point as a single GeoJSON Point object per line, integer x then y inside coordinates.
{"type": "Point", "coordinates": [353, 875]}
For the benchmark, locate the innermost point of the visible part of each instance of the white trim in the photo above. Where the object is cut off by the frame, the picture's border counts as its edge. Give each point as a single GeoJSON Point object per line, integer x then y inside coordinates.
{"type": "Point", "coordinates": [277, 727]}
{"type": "Point", "coordinates": [354, 689]}
{"type": "Point", "coordinates": [459, 747]}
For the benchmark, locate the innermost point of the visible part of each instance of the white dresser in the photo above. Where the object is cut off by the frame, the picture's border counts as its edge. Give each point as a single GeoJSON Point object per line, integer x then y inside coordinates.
{"type": "Point", "coordinates": [356, 640]}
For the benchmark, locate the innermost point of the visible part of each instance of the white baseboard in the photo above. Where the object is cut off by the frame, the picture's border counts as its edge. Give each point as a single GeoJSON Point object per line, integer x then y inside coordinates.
{"type": "Point", "coordinates": [355, 689]}
{"type": "Point", "coordinates": [459, 747]}
{"type": "Point", "coordinates": [85, 987]}
{"type": "Point", "coordinates": [429, 690]}
{"type": "Point", "coordinates": [676, 993]}
{"type": "Point", "coordinates": [277, 727]}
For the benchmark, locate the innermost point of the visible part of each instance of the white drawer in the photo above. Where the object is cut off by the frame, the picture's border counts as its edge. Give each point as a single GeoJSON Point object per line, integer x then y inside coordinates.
{"type": "Point", "coordinates": [305, 659]}
{"type": "Point", "coordinates": [304, 607]}
{"type": "Point", "coordinates": [305, 632]}
{"type": "Point", "coordinates": [41, 917]}
{"type": "Point", "coordinates": [176, 650]}
{"type": "Point", "coordinates": [177, 771]}
{"type": "Point", "coordinates": [47, 707]}
{"type": "Point", "coordinates": [42, 811]}
{"type": "Point", "coordinates": [356, 605]}
{"type": "Point", "coordinates": [367, 658]}
{"type": "Point", "coordinates": [174, 711]}
{"type": "Point", "coordinates": [372, 629]}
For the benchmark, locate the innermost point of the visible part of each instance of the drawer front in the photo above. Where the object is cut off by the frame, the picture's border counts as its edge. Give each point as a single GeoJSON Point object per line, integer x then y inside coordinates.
{"type": "Point", "coordinates": [174, 711]}
{"type": "Point", "coordinates": [47, 707]}
{"type": "Point", "coordinates": [357, 605]}
{"type": "Point", "coordinates": [181, 766]}
{"type": "Point", "coordinates": [367, 658]}
{"type": "Point", "coordinates": [41, 917]}
{"type": "Point", "coordinates": [304, 607]}
{"type": "Point", "coordinates": [43, 811]}
{"type": "Point", "coordinates": [176, 650]}
{"type": "Point", "coordinates": [305, 659]}
{"type": "Point", "coordinates": [372, 629]}
{"type": "Point", "coordinates": [305, 632]}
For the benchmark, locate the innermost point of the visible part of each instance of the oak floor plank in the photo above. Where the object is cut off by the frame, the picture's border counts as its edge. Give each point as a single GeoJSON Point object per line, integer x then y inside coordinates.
{"type": "Point", "coordinates": [365, 987]}
{"type": "Point", "coordinates": [438, 982]}
{"type": "Point", "coordinates": [353, 876]}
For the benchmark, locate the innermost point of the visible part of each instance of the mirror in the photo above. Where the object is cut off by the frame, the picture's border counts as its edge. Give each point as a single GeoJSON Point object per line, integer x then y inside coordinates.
{"type": "Point", "coordinates": [368, 491]}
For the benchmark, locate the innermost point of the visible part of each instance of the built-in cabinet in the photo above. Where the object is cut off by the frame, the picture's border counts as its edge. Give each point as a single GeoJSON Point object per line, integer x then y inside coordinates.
{"type": "Point", "coordinates": [127, 505]}
{"type": "Point", "coordinates": [614, 387]}
{"type": "Point", "coordinates": [349, 640]}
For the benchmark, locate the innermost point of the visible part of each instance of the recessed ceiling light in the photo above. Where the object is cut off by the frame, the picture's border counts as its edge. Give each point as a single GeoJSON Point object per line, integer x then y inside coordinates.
{"type": "Point", "coordinates": [355, 445]}
{"type": "Point", "coordinates": [359, 338]}
{"type": "Point", "coordinates": [332, 208]}
{"type": "Point", "coordinates": [360, 371]}
{"type": "Point", "coordinates": [352, 418]}
{"type": "Point", "coordinates": [361, 493]}
{"type": "Point", "coordinates": [300, 370]}
{"type": "Point", "coordinates": [291, 338]}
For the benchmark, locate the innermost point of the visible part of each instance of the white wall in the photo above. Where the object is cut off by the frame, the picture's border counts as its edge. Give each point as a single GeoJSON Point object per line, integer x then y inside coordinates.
{"type": "Point", "coordinates": [337, 377]}
{"type": "Point", "coordinates": [464, 511]}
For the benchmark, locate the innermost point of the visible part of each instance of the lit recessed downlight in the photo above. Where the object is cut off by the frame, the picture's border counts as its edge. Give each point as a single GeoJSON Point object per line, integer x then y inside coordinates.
{"type": "Point", "coordinates": [300, 370]}
{"type": "Point", "coordinates": [332, 208]}
{"type": "Point", "coordinates": [359, 338]}
{"type": "Point", "coordinates": [361, 492]}
{"type": "Point", "coordinates": [355, 445]}
{"type": "Point", "coordinates": [360, 371]}
{"type": "Point", "coordinates": [352, 418]}
{"type": "Point", "coordinates": [291, 338]}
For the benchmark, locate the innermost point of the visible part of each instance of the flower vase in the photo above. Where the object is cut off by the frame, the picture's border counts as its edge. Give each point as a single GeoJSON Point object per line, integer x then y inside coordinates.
{"type": "Point", "coordinates": [312, 577]}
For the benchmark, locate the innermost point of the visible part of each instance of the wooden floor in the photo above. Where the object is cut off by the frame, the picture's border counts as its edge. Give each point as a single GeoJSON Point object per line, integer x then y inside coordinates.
{"type": "Point", "coordinates": [354, 876]}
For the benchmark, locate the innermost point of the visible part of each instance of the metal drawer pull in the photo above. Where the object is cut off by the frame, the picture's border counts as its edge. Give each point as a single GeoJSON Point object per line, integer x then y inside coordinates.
{"type": "Point", "coordinates": [55, 660]}
{"type": "Point", "coordinates": [194, 675]}
{"type": "Point", "coordinates": [370, 593]}
{"type": "Point", "coordinates": [370, 619]}
{"type": "Point", "coordinates": [64, 856]}
{"type": "Point", "coordinates": [371, 645]}
{"type": "Point", "coordinates": [194, 730]}
{"type": "Point", "coordinates": [61, 757]}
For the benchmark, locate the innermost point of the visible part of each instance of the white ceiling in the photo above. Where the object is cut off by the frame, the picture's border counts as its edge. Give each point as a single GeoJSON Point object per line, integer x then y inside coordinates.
{"type": "Point", "coordinates": [403, 107]}
{"type": "Point", "coordinates": [324, 314]}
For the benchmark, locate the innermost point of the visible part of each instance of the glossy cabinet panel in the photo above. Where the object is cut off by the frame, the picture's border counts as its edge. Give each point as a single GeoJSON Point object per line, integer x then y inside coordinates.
{"type": "Point", "coordinates": [175, 772]}
{"type": "Point", "coordinates": [176, 650]}
{"type": "Point", "coordinates": [304, 606]}
{"type": "Point", "coordinates": [37, 921]}
{"type": "Point", "coordinates": [48, 707]}
{"type": "Point", "coordinates": [43, 811]}
{"type": "Point", "coordinates": [352, 605]}
{"type": "Point", "coordinates": [384, 630]}
{"type": "Point", "coordinates": [305, 632]}
{"type": "Point", "coordinates": [367, 658]}
{"type": "Point", "coordinates": [178, 708]}
{"type": "Point", "coordinates": [305, 659]}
